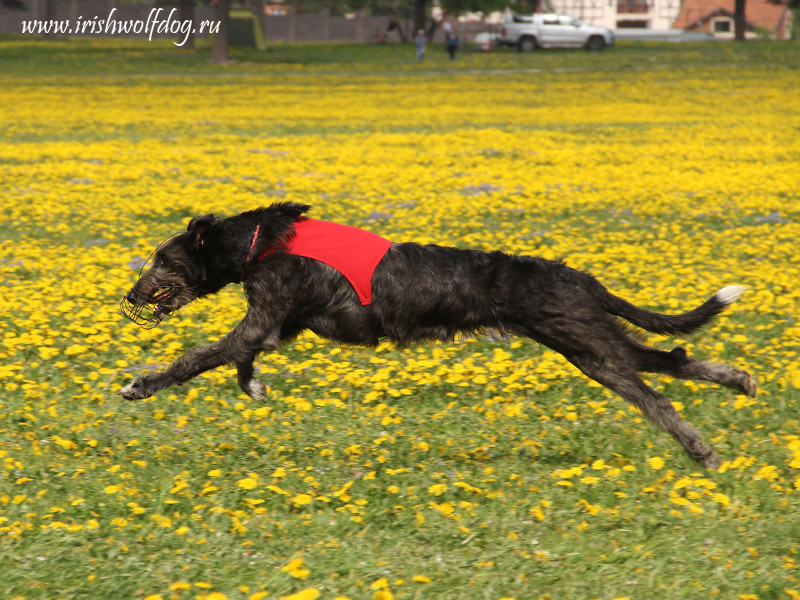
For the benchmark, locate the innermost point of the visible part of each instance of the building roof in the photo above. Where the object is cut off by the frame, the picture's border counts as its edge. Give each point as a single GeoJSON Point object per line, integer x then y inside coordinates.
{"type": "Point", "coordinates": [769, 14]}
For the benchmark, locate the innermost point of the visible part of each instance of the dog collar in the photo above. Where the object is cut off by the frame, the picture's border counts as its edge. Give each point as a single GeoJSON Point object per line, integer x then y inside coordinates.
{"type": "Point", "coordinates": [250, 252]}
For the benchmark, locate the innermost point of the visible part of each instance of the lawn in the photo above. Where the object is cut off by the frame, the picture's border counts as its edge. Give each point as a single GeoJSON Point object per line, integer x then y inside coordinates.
{"type": "Point", "coordinates": [486, 468]}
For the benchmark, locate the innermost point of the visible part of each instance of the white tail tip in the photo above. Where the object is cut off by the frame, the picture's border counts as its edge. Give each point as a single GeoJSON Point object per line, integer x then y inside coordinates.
{"type": "Point", "coordinates": [730, 294]}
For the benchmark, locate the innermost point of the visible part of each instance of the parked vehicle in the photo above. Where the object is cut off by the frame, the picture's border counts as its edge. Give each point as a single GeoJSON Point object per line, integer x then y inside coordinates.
{"type": "Point", "coordinates": [548, 30]}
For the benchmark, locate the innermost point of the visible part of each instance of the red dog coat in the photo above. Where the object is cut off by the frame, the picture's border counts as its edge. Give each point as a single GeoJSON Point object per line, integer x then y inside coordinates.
{"type": "Point", "coordinates": [353, 252]}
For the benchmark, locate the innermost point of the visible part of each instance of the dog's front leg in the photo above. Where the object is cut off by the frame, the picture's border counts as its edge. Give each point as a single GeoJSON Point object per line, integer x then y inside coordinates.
{"type": "Point", "coordinates": [259, 334]}
{"type": "Point", "coordinates": [239, 347]}
{"type": "Point", "coordinates": [249, 384]}
{"type": "Point", "coordinates": [186, 367]}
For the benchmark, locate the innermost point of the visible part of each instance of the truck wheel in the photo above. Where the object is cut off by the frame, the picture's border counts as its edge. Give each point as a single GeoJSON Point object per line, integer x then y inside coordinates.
{"type": "Point", "coordinates": [528, 44]}
{"type": "Point", "coordinates": [595, 43]}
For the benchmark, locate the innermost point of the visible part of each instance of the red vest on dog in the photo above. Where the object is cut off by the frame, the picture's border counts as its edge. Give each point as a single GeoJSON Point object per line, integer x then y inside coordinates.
{"type": "Point", "coordinates": [353, 252]}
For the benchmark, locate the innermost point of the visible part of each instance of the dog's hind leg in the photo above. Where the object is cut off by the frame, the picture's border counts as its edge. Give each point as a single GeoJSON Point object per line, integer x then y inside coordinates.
{"type": "Point", "coordinates": [604, 352]}
{"type": "Point", "coordinates": [655, 406]}
{"type": "Point", "coordinates": [678, 364]}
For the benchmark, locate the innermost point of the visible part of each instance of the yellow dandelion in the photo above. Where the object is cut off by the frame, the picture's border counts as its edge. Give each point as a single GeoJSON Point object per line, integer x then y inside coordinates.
{"type": "Point", "coordinates": [437, 489]}
{"type": "Point", "coordinates": [302, 500]}
{"type": "Point", "coordinates": [247, 483]}
{"type": "Point", "coordinates": [306, 594]}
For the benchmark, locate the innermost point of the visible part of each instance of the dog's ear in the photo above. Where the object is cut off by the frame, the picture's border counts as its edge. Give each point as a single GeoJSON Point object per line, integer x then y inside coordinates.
{"type": "Point", "coordinates": [198, 227]}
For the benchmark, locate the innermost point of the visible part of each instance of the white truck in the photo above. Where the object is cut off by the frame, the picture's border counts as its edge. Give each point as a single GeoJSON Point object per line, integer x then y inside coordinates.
{"type": "Point", "coordinates": [548, 30]}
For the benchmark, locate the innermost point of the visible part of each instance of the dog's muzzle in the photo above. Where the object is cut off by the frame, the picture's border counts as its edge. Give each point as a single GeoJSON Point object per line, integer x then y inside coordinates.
{"type": "Point", "coordinates": [147, 313]}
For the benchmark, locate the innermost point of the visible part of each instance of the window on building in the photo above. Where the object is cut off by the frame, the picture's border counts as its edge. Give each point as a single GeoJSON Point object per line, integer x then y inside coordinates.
{"type": "Point", "coordinates": [632, 6]}
{"type": "Point", "coordinates": [722, 26]}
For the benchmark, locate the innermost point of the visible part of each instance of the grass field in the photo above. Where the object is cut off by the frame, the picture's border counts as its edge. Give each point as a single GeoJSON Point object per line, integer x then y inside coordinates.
{"type": "Point", "coordinates": [479, 469]}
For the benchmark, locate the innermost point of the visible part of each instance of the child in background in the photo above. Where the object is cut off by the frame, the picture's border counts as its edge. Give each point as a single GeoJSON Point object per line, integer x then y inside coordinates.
{"type": "Point", "coordinates": [420, 42]}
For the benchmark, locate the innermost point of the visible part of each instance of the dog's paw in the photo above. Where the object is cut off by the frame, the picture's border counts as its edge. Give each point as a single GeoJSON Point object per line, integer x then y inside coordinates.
{"type": "Point", "coordinates": [746, 384]}
{"type": "Point", "coordinates": [752, 388]}
{"type": "Point", "coordinates": [135, 390]}
{"type": "Point", "coordinates": [256, 390]}
{"type": "Point", "coordinates": [711, 461]}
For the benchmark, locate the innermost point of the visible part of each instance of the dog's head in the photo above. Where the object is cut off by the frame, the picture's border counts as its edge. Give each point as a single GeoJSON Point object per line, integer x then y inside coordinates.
{"type": "Point", "coordinates": [177, 275]}
{"type": "Point", "coordinates": [212, 253]}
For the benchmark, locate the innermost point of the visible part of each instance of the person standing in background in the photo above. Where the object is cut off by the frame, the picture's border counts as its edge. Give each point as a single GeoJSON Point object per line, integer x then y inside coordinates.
{"type": "Point", "coordinates": [451, 43]}
{"type": "Point", "coordinates": [420, 42]}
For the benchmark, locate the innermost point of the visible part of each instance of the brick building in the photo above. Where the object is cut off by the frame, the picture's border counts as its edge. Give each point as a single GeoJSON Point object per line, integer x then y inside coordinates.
{"type": "Point", "coordinates": [770, 17]}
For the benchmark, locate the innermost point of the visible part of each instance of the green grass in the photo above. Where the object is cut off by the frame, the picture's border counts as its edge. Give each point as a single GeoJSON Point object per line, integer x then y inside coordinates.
{"type": "Point", "coordinates": [545, 491]}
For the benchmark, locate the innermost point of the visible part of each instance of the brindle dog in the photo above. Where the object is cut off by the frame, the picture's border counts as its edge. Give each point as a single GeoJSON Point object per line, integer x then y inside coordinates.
{"type": "Point", "coordinates": [420, 292]}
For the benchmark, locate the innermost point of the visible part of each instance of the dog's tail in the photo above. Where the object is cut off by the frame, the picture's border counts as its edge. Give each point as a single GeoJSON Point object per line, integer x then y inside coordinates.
{"type": "Point", "coordinates": [671, 324]}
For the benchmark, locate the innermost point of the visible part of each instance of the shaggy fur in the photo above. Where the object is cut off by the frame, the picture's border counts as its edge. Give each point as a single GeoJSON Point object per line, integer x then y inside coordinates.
{"type": "Point", "coordinates": [420, 292]}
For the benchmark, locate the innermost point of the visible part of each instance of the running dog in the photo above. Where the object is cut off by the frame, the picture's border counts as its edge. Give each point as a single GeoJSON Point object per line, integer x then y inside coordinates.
{"type": "Point", "coordinates": [354, 287]}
